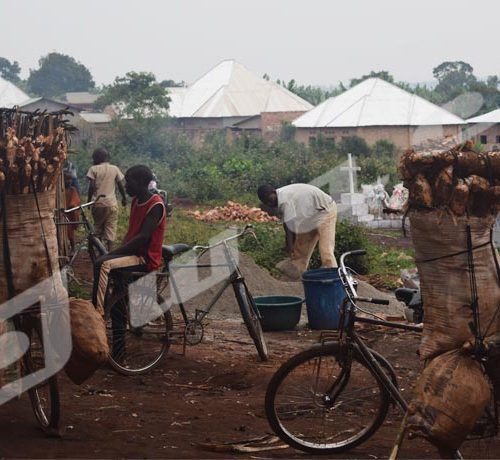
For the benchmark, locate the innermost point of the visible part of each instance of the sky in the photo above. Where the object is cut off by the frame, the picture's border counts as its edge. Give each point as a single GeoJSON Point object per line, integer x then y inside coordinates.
{"type": "Point", "coordinates": [318, 42]}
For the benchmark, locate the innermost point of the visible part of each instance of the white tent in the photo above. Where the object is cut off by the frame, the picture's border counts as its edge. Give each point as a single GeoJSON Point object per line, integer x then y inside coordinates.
{"type": "Point", "coordinates": [231, 90]}
{"type": "Point", "coordinates": [10, 94]}
{"type": "Point", "coordinates": [375, 102]}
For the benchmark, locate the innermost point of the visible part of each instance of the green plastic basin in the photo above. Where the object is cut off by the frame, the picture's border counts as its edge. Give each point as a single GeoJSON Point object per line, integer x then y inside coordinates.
{"type": "Point", "coordinates": [279, 313]}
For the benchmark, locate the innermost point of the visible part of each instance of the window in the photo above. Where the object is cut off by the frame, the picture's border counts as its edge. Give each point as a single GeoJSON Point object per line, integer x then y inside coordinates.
{"type": "Point", "coordinates": [483, 139]}
{"type": "Point", "coordinates": [498, 139]}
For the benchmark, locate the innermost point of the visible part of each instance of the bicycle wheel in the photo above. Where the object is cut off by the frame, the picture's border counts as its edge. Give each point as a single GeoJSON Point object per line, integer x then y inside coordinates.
{"type": "Point", "coordinates": [250, 316]}
{"type": "Point", "coordinates": [44, 396]}
{"type": "Point", "coordinates": [137, 348]}
{"type": "Point", "coordinates": [314, 405]}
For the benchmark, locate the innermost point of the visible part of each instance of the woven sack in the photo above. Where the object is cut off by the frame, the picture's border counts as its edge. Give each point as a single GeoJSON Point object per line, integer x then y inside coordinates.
{"type": "Point", "coordinates": [90, 346]}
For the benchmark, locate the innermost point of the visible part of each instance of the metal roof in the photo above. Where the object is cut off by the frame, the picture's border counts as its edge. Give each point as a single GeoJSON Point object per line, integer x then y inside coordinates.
{"type": "Point", "coordinates": [82, 97]}
{"type": "Point", "coordinates": [375, 102]}
{"type": "Point", "coordinates": [10, 94]}
{"type": "Point", "coordinates": [490, 117]}
{"type": "Point", "coordinates": [96, 117]}
{"type": "Point", "coordinates": [231, 90]}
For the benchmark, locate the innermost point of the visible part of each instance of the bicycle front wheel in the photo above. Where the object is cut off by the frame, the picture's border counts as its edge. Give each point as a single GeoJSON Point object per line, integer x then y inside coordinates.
{"type": "Point", "coordinates": [250, 316]}
{"type": "Point", "coordinates": [138, 334]}
{"type": "Point", "coordinates": [44, 396]}
{"type": "Point", "coordinates": [318, 404]}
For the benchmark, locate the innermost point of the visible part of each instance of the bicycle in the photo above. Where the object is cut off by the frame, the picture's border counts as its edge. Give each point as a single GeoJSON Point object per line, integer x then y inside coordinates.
{"type": "Point", "coordinates": [335, 395]}
{"type": "Point", "coordinates": [44, 396]}
{"type": "Point", "coordinates": [151, 341]}
{"type": "Point", "coordinates": [91, 243]}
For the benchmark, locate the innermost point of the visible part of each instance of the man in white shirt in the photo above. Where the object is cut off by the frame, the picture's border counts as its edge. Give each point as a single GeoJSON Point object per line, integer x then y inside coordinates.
{"type": "Point", "coordinates": [310, 215]}
{"type": "Point", "coordinates": [103, 179]}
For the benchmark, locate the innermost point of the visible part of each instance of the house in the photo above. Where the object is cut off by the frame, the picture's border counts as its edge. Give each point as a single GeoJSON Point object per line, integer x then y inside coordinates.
{"type": "Point", "coordinates": [10, 94]}
{"type": "Point", "coordinates": [231, 97]}
{"type": "Point", "coordinates": [49, 105]}
{"type": "Point", "coordinates": [375, 110]}
{"type": "Point", "coordinates": [485, 129]}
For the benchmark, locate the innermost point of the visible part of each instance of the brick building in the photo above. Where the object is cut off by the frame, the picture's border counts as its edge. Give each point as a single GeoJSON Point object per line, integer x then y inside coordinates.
{"type": "Point", "coordinates": [485, 129]}
{"type": "Point", "coordinates": [231, 97]}
{"type": "Point", "coordinates": [375, 110]}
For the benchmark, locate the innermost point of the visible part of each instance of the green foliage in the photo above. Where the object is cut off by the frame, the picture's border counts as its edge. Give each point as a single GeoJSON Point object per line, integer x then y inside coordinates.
{"type": "Point", "coordinates": [137, 95]}
{"type": "Point", "coordinates": [10, 70]}
{"type": "Point", "coordinates": [58, 74]}
{"type": "Point", "coordinates": [355, 145]}
{"type": "Point", "coordinates": [382, 74]}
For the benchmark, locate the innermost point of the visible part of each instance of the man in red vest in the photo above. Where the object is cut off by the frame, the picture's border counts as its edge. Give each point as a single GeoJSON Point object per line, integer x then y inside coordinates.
{"type": "Point", "coordinates": [142, 247]}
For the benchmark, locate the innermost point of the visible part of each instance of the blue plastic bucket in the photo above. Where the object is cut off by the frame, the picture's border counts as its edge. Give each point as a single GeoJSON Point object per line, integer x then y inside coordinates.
{"type": "Point", "coordinates": [324, 295]}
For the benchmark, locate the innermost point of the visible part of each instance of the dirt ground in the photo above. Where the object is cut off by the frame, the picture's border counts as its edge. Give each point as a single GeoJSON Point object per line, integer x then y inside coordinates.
{"type": "Point", "coordinates": [213, 394]}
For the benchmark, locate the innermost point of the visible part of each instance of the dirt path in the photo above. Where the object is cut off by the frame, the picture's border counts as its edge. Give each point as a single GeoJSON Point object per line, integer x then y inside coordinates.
{"type": "Point", "coordinates": [213, 394]}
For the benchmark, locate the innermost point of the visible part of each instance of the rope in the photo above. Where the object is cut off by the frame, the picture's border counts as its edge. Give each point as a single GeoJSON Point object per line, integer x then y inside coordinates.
{"type": "Point", "coordinates": [453, 254]}
{"type": "Point", "coordinates": [11, 291]}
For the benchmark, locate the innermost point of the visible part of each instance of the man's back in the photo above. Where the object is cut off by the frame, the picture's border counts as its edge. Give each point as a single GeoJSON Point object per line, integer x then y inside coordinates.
{"type": "Point", "coordinates": [105, 177]}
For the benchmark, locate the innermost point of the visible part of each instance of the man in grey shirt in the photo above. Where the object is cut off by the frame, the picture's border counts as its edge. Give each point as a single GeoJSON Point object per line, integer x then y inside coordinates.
{"type": "Point", "coordinates": [310, 215]}
{"type": "Point", "coordinates": [103, 179]}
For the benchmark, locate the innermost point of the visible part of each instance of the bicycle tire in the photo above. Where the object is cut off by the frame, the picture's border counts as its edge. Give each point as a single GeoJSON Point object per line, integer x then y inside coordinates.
{"type": "Point", "coordinates": [250, 316]}
{"type": "Point", "coordinates": [44, 397]}
{"type": "Point", "coordinates": [146, 346]}
{"type": "Point", "coordinates": [293, 420]}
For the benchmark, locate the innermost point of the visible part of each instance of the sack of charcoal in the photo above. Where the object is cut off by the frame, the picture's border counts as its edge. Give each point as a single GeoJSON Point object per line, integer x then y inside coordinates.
{"type": "Point", "coordinates": [90, 346]}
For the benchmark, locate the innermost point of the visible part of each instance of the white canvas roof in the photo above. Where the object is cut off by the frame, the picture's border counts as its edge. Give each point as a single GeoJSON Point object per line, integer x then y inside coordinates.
{"type": "Point", "coordinates": [490, 117]}
{"type": "Point", "coordinates": [375, 102]}
{"type": "Point", "coordinates": [231, 90]}
{"type": "Point", "coordinates": [10, 94]}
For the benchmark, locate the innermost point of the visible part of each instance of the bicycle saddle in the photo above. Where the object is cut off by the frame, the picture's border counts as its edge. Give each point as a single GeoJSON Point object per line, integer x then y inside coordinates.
{"type": "Point", "coordinates": [172, 250]}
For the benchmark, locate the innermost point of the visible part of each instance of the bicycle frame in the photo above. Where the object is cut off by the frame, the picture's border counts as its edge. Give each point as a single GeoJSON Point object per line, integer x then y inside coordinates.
{"type": "Point", "coordinates": [234, 277]}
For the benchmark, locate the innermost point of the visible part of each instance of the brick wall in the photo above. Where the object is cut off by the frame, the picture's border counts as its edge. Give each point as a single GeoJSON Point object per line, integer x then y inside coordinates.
{"type": "Point", "coordinates": [270, 123]}
{"type": "Point", "coordinates": [402, 136]}
{"type": "Point", "coordinates": [492, 134]}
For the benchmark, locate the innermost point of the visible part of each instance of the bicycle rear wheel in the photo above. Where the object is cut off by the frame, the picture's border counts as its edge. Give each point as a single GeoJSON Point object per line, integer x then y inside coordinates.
{"type": "Point", "coordinates": [137, 348]}
{"type": "Point", "coordinates": [250, 316]}
{"type": "Point", "coordinates": [44, 396]}
{"type": "Point", "coordinates": [317, 404]}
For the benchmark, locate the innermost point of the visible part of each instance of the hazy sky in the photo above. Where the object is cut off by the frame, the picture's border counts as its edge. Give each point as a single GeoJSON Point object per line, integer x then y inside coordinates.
{"type": "Point", "coordinates": [314, 41]}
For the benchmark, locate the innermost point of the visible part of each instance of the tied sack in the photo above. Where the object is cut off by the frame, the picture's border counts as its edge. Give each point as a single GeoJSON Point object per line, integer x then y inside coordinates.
{"type": "Point", "coordinates": [445, 278]}
{"type": "Point", "coordinates": [90, 346]}
{"type": "Point", "coordinates": [449, 397]}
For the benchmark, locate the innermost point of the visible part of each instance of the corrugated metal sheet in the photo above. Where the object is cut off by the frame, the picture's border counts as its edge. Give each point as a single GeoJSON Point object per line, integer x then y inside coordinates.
{"type": "Point", "coordinates": [10, 94]}
{"type": "Point", "coordinates": [231, 90]}
{"type": "Point", "coordinates": [375, 102]}
{"type": "Point", "coordinates": [82, 97]}
{"type": "Point", "coordinates": [490, 117]}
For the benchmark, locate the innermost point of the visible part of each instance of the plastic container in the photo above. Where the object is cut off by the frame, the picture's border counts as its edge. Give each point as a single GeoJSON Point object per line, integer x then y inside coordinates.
{"type": "Point", "coordinates": [279, 313]}
{"type": "Point", "coordinates": [324, 296]}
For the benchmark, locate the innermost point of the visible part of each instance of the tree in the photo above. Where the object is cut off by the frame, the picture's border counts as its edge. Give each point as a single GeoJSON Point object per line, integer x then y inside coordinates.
{"type": "Point", "coordinates": [137, 95]}
{"type": "Point", "coordinates": [454, 78]}
{"type": "Point", "coordinates": [382, 74]}
{"type": "Point", "coordinates": [58, 74]}
{"type": "Point", "coordinates": [172, 84]}
{"type": "Point", "coordinates": [10, 70]}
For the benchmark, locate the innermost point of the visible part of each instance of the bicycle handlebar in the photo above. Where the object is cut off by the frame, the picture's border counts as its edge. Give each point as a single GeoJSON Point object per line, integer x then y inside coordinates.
{"type": "Point", "coordinates": [248, 229]}
{"type": "Point", "coordinates": [85, 205]}
{"type": "Point", "coordinates": [357, 252]}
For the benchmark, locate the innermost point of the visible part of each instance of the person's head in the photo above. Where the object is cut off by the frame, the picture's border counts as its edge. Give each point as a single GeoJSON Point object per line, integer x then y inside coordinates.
{"type": "Point", "coordinates": [137, 179]}
{"type": "Point", "coordinates": [267, 194]}
{"type": "Point", "coordinates": [100, 155]}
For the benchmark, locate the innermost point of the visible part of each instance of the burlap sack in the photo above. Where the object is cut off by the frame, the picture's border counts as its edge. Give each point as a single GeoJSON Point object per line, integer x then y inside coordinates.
{"type": "Point", "coordinates": [445, 282]}
{"type": "Point", "coordinates": [449, 397]}
{"type": "Point", "coordinates": [27, 252]}
{"type": "Point", "coordinates": [90, 345]}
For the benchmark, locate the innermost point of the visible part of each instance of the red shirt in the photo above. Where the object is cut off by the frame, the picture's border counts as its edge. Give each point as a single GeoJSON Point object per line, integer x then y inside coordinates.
{"type": "Point", "coordinates": [152, 251]}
